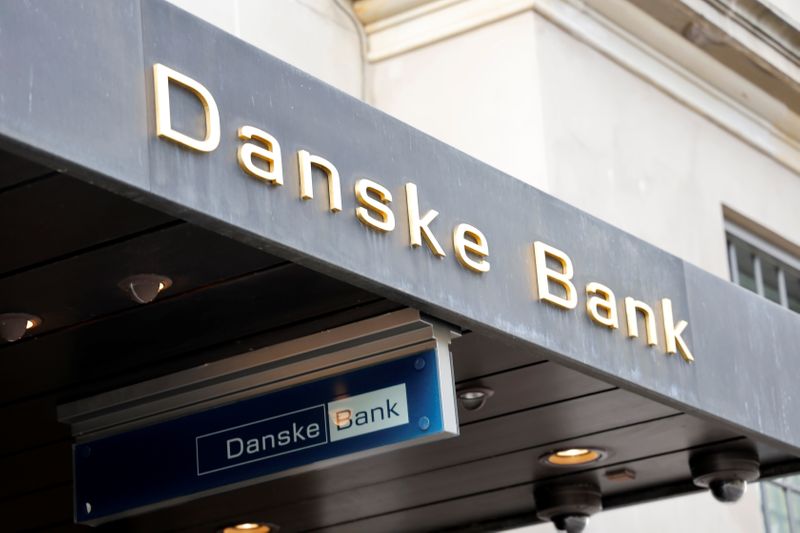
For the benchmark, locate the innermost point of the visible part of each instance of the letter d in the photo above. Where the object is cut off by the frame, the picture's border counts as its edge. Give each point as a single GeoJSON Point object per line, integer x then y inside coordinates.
{"type": "Point", "coordinates": [241, 447]}
{"type": "Point", "coordinates": [161, 79]}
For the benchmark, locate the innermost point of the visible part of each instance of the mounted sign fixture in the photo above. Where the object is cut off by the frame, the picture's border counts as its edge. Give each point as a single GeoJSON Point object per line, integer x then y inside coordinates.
{"type": "Point", "coordinates": [726, 473]}
{"type": "Point", "coordinates": [358, 390]}
{"type": "Point", "coordinates": [568, 506]}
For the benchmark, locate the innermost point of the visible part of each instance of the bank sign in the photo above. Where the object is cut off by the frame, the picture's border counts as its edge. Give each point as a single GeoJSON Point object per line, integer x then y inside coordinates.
{"type": "Point", "coordinates": [259, 156]}
{"type": "Point", "coordinates": [386, 406]}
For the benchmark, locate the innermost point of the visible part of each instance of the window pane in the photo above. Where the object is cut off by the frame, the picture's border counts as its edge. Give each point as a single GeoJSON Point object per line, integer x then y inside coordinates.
{"type": "Point", "coordinates": [769, 271]}
{"type": "Point", "coordinates": [794, 508]}
{"type": "Point", "coordinates": [793, 288]}
{"type": "Point", "coordinates": [776, 515]}
{"type": "Point", "coordinates": [791, 481]}
{"type": "Point", "coordinates": [744, 260]}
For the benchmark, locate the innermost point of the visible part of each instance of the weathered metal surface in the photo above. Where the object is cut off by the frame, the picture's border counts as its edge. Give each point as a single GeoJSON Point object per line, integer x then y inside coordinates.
{"type": "Point", "coordinates": [71, 84]}
{"type": "Point", "coordinates": [745, 348]}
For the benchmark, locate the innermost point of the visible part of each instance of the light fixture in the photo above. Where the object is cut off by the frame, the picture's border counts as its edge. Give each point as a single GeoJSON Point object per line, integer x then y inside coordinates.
{"type": "Point", "coordinates": [725, 473]}
{"type": "Point", "coordinates": [13, 326]}
{"type": "Point", "coordinates": [568, 506]}
{"type": "Point", "coordinates": [473, 398]}
{"type": "Point", "coordinates": [249, 527]}
{"type": "Point", "coordinates": [573, 456]}
{"type": "Point", "coordinates": [143, 288]}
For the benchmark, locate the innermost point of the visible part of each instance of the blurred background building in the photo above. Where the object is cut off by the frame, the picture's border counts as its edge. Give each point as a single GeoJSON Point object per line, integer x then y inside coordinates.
{"type": "Point", "coordinates": [675, 120]}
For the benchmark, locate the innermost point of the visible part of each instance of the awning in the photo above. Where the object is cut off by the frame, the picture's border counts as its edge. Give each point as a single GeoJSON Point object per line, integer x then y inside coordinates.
{"type": "Point", "coordinates": [90, 192]}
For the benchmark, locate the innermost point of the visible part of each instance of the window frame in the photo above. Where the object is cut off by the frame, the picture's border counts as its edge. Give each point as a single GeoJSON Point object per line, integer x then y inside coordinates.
{"type": "Point", "coordinates": [759, 246]}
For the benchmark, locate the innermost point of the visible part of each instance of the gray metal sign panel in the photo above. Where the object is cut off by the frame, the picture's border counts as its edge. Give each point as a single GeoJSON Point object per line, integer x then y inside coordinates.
{"type": "Point", "coordinates": [745, 348]}
{"type": "Point", "coordinates": [71, 84]}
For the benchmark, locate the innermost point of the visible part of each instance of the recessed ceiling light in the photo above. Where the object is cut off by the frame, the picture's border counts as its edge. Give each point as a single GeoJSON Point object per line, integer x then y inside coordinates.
{"type": "Point", "coordinates": [13, 326]}
{"type": "Point", "coordinates": [573, 456]}
{"type": "Point", "coordinates": [143, 288]}
{"type": "Point", "coordinates": [249, 527]}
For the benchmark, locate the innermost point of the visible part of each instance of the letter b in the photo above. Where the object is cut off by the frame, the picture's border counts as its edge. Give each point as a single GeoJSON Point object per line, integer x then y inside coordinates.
{"type": "Point", "coordinates": [544, 275]}
{"type": "Point", "coordinates": [343, 419]}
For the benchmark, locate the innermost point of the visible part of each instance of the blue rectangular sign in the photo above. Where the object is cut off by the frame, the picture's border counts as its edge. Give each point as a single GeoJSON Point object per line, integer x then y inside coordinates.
{"type": "Point", "coordinates": [398, 402]}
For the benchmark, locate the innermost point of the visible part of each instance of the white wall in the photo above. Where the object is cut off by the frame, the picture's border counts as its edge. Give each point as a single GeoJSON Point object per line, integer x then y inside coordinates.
{"type": "Point", "coordinates": [541, 105]}
{"type": "Point", "coordinates": [620, 148]}
{"type": "Point", "coordinates": [698, 513]}
{"type": "Point", "coordinates": [477, 91]}
{"type": "Point", "coordinates": [313, 35]}
{"type": "Point", "coordinates": [789, 10]}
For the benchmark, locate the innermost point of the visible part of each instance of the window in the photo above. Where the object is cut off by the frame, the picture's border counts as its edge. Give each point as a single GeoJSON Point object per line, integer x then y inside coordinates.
{"type": "Point", "coordinates": [763, 268]}
{"type": "Point", "coordinates": [774, 274]}
{"type": "Point", "coordinates": [780, 500]}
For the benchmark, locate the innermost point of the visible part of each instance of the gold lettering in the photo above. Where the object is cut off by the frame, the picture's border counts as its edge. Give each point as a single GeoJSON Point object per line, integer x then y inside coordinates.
{"type": "Point", "coordinates": [377, 206]}
{"type": "Point", "coordinates": [544, 275]}
{"type": "Point", "coordinates": [469, 240]}
{"type": "Point", "coordinates": [672, 332]}
{"type": "Point", "coordinates": [161, 79]}
{"type": "Point", "coordinates": [601, 297]}
{"type": "Point", "coordinates": [632, 307]}
{"type": "Point", "coordinates": [418, 227]}
{"type": "Point", "coordinates": [305, 161]}
{"type": "Point", "coordinates": [270, 153]}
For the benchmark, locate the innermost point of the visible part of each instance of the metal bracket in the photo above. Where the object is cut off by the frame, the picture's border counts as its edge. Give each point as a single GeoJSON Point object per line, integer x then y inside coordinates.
{"type": "Point", "coordinates": [267, 369]}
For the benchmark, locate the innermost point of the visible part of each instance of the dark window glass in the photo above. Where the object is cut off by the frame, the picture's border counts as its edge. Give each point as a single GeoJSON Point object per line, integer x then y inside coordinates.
{"type": "Point", "coordinates": [793, 288]}
{"type": "Point", "coordinates": [744, 263]}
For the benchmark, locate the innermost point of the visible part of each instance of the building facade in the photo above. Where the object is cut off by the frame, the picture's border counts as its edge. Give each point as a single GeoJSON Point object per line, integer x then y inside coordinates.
{"type": "Point", "coordinates": [671, 120]}
{"type": "Point", "coordinates": [174, 253]}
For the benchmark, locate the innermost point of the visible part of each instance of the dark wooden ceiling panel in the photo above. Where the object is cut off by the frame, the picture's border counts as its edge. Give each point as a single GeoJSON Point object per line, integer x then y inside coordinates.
{"type": "Point", "coordinates": [59, 215]}
{"type": "Point", "coordinates": [47, 510]}
{"type": "Point", "coordinates": [36, 468]}
{"type": "Point", "coordinates": [38, 417]}
{"type": "Point", "coordinates": [476, 355]}
{"type": "Point", "coordinates": [461, 482]}
{"type": "Point", "coordinates": [511, 506]}
{"type": "Point", "coordinates": [529, 386]}
{"type": "Point", "coordinates": [625, 444]}
{"type": "Point", "coordinates": [439, 515]}
{"type": "Point", "coordinates": [130, 342]}
{"type": "Point", "coordinates": [86, 286]}
{"type": "Point", "coordinates": [15, 170]}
